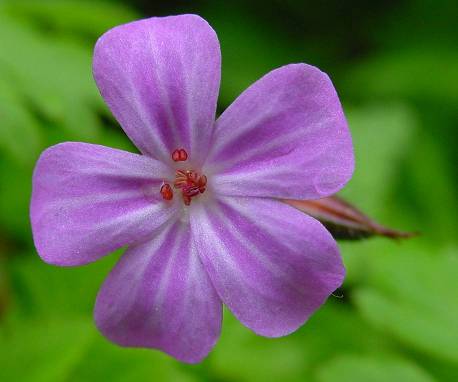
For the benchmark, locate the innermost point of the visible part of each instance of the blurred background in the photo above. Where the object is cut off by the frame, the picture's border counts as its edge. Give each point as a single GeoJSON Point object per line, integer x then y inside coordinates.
{"type": "Point", "coordinates": [395, 67]}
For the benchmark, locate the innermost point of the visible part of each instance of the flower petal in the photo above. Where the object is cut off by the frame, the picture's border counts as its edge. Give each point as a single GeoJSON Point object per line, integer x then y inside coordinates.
{"type": "Point", "coordinates": [286, 136]}
{"type": "Point", "coordinates": [160, 78]}
{"type": "Point", "coordinates": [272, 265]}
{"type": "Point", "coordinates": [159, 296]}
{"type": "Point", "coordinates": [88, 200]}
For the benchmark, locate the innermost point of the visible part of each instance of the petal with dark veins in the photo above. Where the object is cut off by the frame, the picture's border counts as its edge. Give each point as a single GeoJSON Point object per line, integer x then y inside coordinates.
{"type": "Point", "coordinates": [271, 265]}
{"type": "Point", "coordinates": [160, 77]}
{"type": "Point", "coordinates": [159, 296]}
{"type": "Point", "coordinates": [284, 137]}
{"type": "Point", "coordinates": [88, 200]}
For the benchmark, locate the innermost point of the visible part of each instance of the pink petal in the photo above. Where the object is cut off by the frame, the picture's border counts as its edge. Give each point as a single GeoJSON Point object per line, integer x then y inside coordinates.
{"type": "Point", "coordinates": [160, 77]}
{"type": "Point", "coordinates": [88, 200]}
{"type": "Point", "coordinates": [285, 136]}
{"type": "Point", "coordinates": [272, 265]}
{"type": "Point", "coordinates": [159, 296]}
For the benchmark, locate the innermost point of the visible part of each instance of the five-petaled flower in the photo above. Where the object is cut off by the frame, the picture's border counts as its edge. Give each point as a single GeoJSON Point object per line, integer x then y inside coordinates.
{"type": "Point", "coordinates": [201, 209]}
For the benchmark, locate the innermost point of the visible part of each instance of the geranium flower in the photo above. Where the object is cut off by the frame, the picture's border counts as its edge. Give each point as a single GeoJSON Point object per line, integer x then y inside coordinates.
{"type": "Point", "coordinates": [200, 209]}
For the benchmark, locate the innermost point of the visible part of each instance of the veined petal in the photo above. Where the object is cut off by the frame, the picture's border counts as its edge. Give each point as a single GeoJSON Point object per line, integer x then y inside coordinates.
{"type": "Point", "coordinates": [272, 265]}
{"type": "Point", "coordinates": [160, 77]}
{"type": "Point", "coordinates": [88, 200]}
{"type": "Point", "coordinates": [286, 137]}
{"type": "Point", "coordinates": [159, 296]}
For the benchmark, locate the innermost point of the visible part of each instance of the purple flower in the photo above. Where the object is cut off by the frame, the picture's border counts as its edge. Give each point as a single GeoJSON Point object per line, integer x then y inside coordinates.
{"type": "Point", "coordinates": [201, 208]}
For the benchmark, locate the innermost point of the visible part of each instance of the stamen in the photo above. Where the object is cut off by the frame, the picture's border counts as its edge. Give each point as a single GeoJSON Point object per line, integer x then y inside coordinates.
{"type": "Point", "coordinates": [189, 182]}
{"type": "Point", "coordinates": [201, 183]}
{"type": "Point", "coordinates": [166, 192]}
{"type": "Point", "coordinates": [190, 190]}
{"type": "Point", "coordinates": [179, 155]}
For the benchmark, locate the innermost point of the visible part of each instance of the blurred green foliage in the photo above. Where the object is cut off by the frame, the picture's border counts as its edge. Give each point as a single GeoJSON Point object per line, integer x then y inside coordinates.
{"type": "Point", "coordinates": [396, 69]}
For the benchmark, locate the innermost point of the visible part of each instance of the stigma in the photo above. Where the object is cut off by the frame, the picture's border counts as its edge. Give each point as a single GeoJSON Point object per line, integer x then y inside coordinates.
{"type": "Point", "coordinates": [188, 181]}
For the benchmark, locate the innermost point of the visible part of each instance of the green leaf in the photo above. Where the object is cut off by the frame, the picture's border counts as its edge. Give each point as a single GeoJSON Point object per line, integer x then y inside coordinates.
{"type": "Point", "coordinates": [426, 73]}
{"type": "Point", "coordinates": [428, 186]}
{"type": "Point", "coordinates": [250, 50]}
{"type": "Point", "coordinates": [15, 189]}
{"type": "Point", "coordinates": [53, 74]}
{"type": "Point", "coordinates": [331, 332]}
{"type": "Point", "coordinates": [43, 290]}
{"type": "Point", "coordinates": [104, 361]}
{"type": "Point", "coordinates": [58, 350]}
{"type": "Point", "coordinates": [240, 355]}
{"type": "Point", "coordinates": [81, 18]}
{"type": "Point", "coordinates": [243, 356]}
{"type": "Point", "coordinates": [19, 131]}
{"type": "Point", "coordinates": [411, 297]}
{"type": "Point", "coordinates": [359, 368]}
{"type": "Point", "coordinates": [49, 304]}
{"type": "Point", "coordinates": [381, 135]}
{"type": "Point", "coordinates": [43, 351]}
